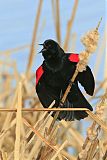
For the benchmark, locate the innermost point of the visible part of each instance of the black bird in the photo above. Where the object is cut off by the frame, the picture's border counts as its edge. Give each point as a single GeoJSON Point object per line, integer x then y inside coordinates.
{"type": "Point", "coordinates": [53, 77]}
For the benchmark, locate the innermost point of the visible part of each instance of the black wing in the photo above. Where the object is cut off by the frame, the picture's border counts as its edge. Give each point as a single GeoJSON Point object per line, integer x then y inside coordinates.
{"type": "Point", "coordinates": [86, 79]}
{"type": "Point", "coordinates": [47, 94]}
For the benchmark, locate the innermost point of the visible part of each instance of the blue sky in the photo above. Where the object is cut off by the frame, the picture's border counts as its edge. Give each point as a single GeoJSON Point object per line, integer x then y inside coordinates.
{"type": "Point", "coordinates": [17, 21]}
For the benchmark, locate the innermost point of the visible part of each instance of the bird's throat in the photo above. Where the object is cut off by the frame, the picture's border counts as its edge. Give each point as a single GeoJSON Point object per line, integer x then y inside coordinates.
{"type": "Point", "coordinates": [54, 64]}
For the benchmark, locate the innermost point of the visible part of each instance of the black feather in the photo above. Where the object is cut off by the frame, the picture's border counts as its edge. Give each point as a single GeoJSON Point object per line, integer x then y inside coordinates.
{"type": "Point", "coordinates": [58, 68]}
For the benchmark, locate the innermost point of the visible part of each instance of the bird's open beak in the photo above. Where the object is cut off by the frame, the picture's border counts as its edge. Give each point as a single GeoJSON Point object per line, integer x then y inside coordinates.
{"type": "Point", "coordinates": [41, 44]}
{"type": "Point", "coordinates": [44, 49]}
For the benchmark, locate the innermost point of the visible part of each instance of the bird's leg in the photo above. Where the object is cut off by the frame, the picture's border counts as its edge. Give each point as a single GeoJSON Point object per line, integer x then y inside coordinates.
{"type": "Point", "coordinates": [61, 104]}
{"type": "Point", "coordinates": [71, 83]}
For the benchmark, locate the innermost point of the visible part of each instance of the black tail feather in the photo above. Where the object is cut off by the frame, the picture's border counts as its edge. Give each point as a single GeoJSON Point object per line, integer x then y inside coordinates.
{"type": "Point", "coordinates": [75, 100]}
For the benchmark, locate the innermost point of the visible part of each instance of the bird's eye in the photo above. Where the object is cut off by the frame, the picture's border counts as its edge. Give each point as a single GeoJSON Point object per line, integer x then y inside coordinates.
{"type": "Point", "coordinates": [47, 46]}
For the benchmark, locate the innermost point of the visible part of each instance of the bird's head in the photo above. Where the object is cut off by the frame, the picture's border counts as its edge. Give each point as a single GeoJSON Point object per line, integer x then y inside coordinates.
{"type": "Point", "coordinates": [51, 49]}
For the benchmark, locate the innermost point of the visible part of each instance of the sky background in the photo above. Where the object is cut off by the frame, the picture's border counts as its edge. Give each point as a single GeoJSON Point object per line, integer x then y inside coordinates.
{"type": "Point", "coordinates": [17, 21]}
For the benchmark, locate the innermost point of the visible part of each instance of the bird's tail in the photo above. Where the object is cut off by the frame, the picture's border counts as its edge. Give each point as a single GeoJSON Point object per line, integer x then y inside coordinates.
{"type": "Point", "coordinates": [75, 100]}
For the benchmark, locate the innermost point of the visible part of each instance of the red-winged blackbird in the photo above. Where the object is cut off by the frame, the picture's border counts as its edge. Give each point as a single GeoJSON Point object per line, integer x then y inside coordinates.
{"type": "Point", "coordinates": [53, 77]}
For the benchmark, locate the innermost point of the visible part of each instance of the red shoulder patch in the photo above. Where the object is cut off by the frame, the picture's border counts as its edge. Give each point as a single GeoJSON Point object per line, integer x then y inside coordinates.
{"type": "Point", "coordinates": [74, 57]}
{"type": "Point", "coordinates": [39, 73]}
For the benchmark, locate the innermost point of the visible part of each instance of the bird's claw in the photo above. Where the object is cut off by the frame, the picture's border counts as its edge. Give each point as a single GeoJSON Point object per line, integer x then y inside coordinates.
{"type": "Point", "coordinates": [61, 103]}
{"type": "Point", "coordinates": [71, 83]}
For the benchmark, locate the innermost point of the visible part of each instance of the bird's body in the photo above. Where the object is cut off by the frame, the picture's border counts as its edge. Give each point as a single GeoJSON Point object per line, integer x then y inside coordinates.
{"type": "Point", "coordinates": [53, 77]}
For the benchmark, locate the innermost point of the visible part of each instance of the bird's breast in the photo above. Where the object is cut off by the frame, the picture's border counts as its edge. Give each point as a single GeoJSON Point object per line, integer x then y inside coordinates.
{"type": "Point", "coordinates": [54, 79]}
{"type": "Point", "coordinates": [61, 77]}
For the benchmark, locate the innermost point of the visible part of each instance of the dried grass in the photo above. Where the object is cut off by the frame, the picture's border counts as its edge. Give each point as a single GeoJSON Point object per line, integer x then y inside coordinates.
{"type": "Point", "coordinates": [70, 23]}
{"type": "Point", "coordinates": [18, 123]}
{"type": "Point", "coordinates": [32, 49]}
{"type": "Point", "coordinates": [92, 147]}
{"type": "Point", "coordinates": [56, 18]}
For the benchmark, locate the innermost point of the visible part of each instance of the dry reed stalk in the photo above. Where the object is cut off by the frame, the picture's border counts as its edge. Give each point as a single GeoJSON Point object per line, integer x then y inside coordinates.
{"type": "Point", "coordinates": [16, 73]}
{"type": "Point", "coordinates": [22, 150]}
{"type": "Point", "coordinates": [8, 64]}
{"type": "Point", "coordinates": [32, 49]}
{"type": "Point", "coordinates": [100, 55]}
{"type": "Point", "coordinates": [73, 44]}
{"type": "Point", "coordinates": [56, 18]}
{"type": "Point", "coordinates": [6, 84]}
{"type": "Point", "coordinates": [78, 138]}
{"type": "Point", "coordinates": [66, 135]}
{"type": "Point", "coordinates": [3, 132]}
{"type": "Point", "coordinates": [40, 121]}
{"type": "Point", "coordinates": [41, 29]}
{"type": "Point", "coordinates": [98, 88]}
{"type": "Point", "coordinates": [47, 152]}
{"type": "Point", "coordinates": [52, 135]}
{"type": "Point", "coordinates": [105, 67]}
{"type": "Point", "coordinates": [25, 84]}
{"type": "Point", "coordinates": [90, 41]}
{"type": "Point", "coordinates": [105, 156]}
{"type": "Point", "coordinates": [39, 126]}
{"type": "Point", "coordinates": [59, 150]}
{"type": "Point", "coordinates": [43, 121]}
{"type": "Point", "coordinates": [67, 155]}
{"type": "Point", "coordinates": [100, 122]}
{"type": "Point", "coordinates": [58, 28]}
{"type": "Point", "coordinates": [5, 94]}
{"type": "Point", "coordinates": [52, 123]}
{"type": "Point", "coordinates": [55, 134]}
{"type": "Point", "coordinates": [97, 120]}
{"type": "Point", "coordinates": [7, 121]}
{"type": "Point", "coordinates": [18, 123]}
{"type": "Point", "coordinates": [23, 131]}
{"type": "Point", "coordinates": [3, 155]}
{"type": "Point", "coordinates": [40, 136]}
{"type": "Point", "coordinates": [13, 50]}
{"type": "Point", "coordinates": [53, 11]}
{"type": "Point", "coordinates": [70, 23]}
{"type": "Point", "coordinates": [1, 158]}
{"type": "Point", "coordinates": [43, 109]}
{"type": "Point", "coordinates": [59, 157]}
{"type": "Point", "coordinates": [92, 143]}
{"type": "Point", "coordinates": [35, 149]}
{"type": "Point", "coordinates": [7, 75]}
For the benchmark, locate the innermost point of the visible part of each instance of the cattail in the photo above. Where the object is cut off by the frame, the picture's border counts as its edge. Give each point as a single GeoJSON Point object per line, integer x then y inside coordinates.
{"type": "Point", "coordinates": [93, 131]}
{"type": "Point", "coordinates": [90, 41]}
